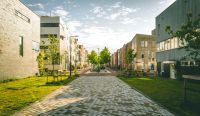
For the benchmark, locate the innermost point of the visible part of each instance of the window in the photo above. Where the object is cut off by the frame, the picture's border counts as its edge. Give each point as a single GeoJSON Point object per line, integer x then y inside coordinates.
{"type": "Point", "coordinates": [144, 43]}
{"type": "Point", "coordinates": [184, 63]}
{"type": "Point", "coordinates": [19, 14]}
{"type": "Point", "coordinates": [21, 50]}
{"type": "Point", "coordinates": [167, 44]}
{"type": "Point", "coordinates": [162, 46]}
{"type": "Point", "coordinates": [47, 36]}
{"type": "Point", "coordinates": [175, 42]}
{"type": "Point", "coordinates": [49, 24]}
{"type": "Point", "coordinates": [142, 55]}
{"type": "Point", "coordinates": [35, 46]}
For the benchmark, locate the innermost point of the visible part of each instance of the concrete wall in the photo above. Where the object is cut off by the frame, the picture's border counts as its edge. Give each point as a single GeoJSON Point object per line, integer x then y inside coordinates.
{"type": "Point", "coordinates": [13, 65]}
{"type": "Point", "coordinates": [174, 16]}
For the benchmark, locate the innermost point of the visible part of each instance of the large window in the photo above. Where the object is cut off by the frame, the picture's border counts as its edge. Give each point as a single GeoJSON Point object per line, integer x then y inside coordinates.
{"type": "Point", "coordinates": [21, 50]}
{"type": "Point", "coordinates": [49, 24]}
{"type": "Point", "coordinates": [35, 46]}
{"type": "Point", "coordinates": [168, 44]}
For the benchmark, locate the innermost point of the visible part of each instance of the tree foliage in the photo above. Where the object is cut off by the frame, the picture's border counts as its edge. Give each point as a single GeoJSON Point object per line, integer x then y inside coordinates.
{"type": "Point", "coordinates": [93, 57]}
{"type": "Point", "coordinates": [105, 56]}
{"type": "Point", "coordinates": [40, 60]}
{"type": "Point", "coordinates": [189, 35]}
{"type": "Point", "coordinates": [53, 50]}
{"type": "Point", "coordinates": [130, 55]}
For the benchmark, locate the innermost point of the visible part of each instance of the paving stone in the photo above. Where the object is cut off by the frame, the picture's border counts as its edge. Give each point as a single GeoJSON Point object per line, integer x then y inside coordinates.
{"type": "Point", "coordinates": [95, 96]}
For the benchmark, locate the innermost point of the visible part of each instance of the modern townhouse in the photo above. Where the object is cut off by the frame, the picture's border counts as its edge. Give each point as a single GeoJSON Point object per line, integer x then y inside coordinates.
{"type": "Point", "coordinates": [82, 56]}
{"type": "Point", "coordinates": [145, 48]}
{"type": "Point", "coordinates": [168, 52]}
{"type": "Point", "coordinates": [54, 25]}
{"type": "Point", "coordinates": [19, 40]}
{"type": "Point", "coordinates": [114, 60]}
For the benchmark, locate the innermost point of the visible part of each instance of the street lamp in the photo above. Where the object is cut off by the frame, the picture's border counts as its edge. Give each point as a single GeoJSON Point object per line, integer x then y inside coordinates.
{"type": "Point", "coordinates": [70, 56]}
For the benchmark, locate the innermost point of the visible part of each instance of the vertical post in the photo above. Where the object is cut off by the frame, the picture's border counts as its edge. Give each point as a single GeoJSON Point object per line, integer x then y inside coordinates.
{"type": "Point", "coordinates": [70, 58]}
{"type": "Point", "coordinates": [98, 62]}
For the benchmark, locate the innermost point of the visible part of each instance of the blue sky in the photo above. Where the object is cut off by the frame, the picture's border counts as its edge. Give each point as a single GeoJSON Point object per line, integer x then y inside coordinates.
{"type": "Point", "coordinates": [100, 23]}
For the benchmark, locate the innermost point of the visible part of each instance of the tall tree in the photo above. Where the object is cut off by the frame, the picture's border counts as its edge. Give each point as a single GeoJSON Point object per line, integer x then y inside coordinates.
{"type": "Point", "coordinates": [130, 55]}
{"type": "Point", "coordinates": [189, 35]}
{"type": "Point", "coordinates": [105, 56]}
{"type": "Point", "coordinates": [93, 58]}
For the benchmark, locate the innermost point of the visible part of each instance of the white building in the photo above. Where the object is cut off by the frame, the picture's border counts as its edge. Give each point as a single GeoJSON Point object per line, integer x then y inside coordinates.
{"type": "Point", "coordinates": [19, 40]}
{"type": "Point", "coordinates": [54, 25]}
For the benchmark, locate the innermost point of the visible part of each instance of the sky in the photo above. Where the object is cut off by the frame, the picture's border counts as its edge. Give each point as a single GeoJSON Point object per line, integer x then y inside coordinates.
{"type": "Point", "coordinates": [100, 23]}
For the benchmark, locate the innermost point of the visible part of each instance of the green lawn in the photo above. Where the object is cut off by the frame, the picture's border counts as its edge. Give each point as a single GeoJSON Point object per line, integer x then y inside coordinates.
{"type": "Point", "coordinates": [169, 93]}
{"type": "Point", "coordinates": [17, 94]}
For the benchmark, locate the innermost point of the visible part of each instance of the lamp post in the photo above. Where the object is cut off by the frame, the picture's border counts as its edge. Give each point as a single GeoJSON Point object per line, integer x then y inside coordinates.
{"type": "Point", "coordinates": [98, 62]}
{"type": "Point", "coordinates": [70, 58]}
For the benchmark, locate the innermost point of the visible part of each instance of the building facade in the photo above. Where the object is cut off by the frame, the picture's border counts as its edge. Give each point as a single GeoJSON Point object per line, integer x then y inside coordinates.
{"type": "Point", "coordinates": [54, 25]}
{"type": "Point", "coordinates": [19, 40]}
{"type": "Point", "coordinates": [82, 56]}
{"type": "Point", "coordinates": [168, 52]}
{"type": "Point", "coordinates": [145, 48]}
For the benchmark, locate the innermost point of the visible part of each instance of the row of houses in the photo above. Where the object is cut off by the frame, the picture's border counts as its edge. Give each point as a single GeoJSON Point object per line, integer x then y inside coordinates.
{"type": "Point", "coordinates": [23, 34]}
{"type": "Point", "coordinates": [144, 47]}
{"type": "Point", "coordinates": [160, 52]}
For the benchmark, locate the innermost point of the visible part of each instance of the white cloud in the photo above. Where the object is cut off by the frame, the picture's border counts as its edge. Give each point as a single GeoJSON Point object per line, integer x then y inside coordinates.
{"type": "Point", "coordinates": [99, 37]}
{"type": "Point", "coordinates": [60, 11]}
{"type": "Point", "coordinates": [39, 5]}
{"type": "Point", "coordinates": [117, 5]}
{"type": "Point", "coordinates": [41, 13]}
{"type": "Point", "coordinates": [128, 21]}
{"type": "Point", "coordinates": [125, 10]}
{"type": "Point", "coordinates": [98, 11]}
{"type": "Point", "coordinates": [73, 25]}
{"type": "Point", "coordinates": [113, 16]}
{"type": "Point", "coordinates": [121, 11]}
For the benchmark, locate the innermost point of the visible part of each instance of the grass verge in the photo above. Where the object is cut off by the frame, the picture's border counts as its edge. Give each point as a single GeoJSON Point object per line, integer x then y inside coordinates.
{"type": "Point", "coordinates": [169, 93]}
{"type": "Point", "coordinates": [17, 94]}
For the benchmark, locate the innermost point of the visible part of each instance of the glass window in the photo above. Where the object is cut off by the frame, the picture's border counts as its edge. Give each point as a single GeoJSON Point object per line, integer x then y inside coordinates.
{"type": "Point", "coordinates": [175, 42]}
{"type": "Point", "coordinates": [19, 14]}
{"type": "Point", "coordinates": [144, 43]}
{"type": "Point", "coordinates": [21, 50]}
{"type": "Point", "coordinates": [172, 43]}
{"type": "Point", "coordinates": [35, 46]}
{"type": "Point", "coordinates": [47, 36]}
{"type": "Point", "coordinates": [49, 24]}
{"type": "Point", "coordinates": [167, 44]}
{"type": "Point", "coordinates": [158, 46]}
{"type": "Point", "coordinates": [162, 46]}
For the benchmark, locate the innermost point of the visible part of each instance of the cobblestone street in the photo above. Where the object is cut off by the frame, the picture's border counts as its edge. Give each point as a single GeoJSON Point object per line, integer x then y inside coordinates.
{"type": "Point", "coordinates": [95, 96]}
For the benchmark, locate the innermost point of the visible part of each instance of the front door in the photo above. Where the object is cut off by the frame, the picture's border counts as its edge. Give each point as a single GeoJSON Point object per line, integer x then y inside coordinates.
{"type": "Point", "coordinates": [172, 71]}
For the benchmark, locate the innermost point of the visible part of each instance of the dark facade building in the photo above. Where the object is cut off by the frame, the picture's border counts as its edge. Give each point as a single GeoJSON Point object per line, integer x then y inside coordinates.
{"type": "Point", "coordinates": [168, 53]}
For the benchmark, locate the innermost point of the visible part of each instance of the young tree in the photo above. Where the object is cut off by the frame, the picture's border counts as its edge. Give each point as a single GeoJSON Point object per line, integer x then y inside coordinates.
{"type": "Point", "coordinates": [189, 35]}
{"type": "Point", "coordinates": [53, 51]}
{"type": "Point", "coordinates": [130, 55]}
{"type": "Point", "coordinates": [93, 58]}
{"type": "Point", "coordinates": [40, 60]}
{"type": "Point", "coordinates": [105, 56]}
